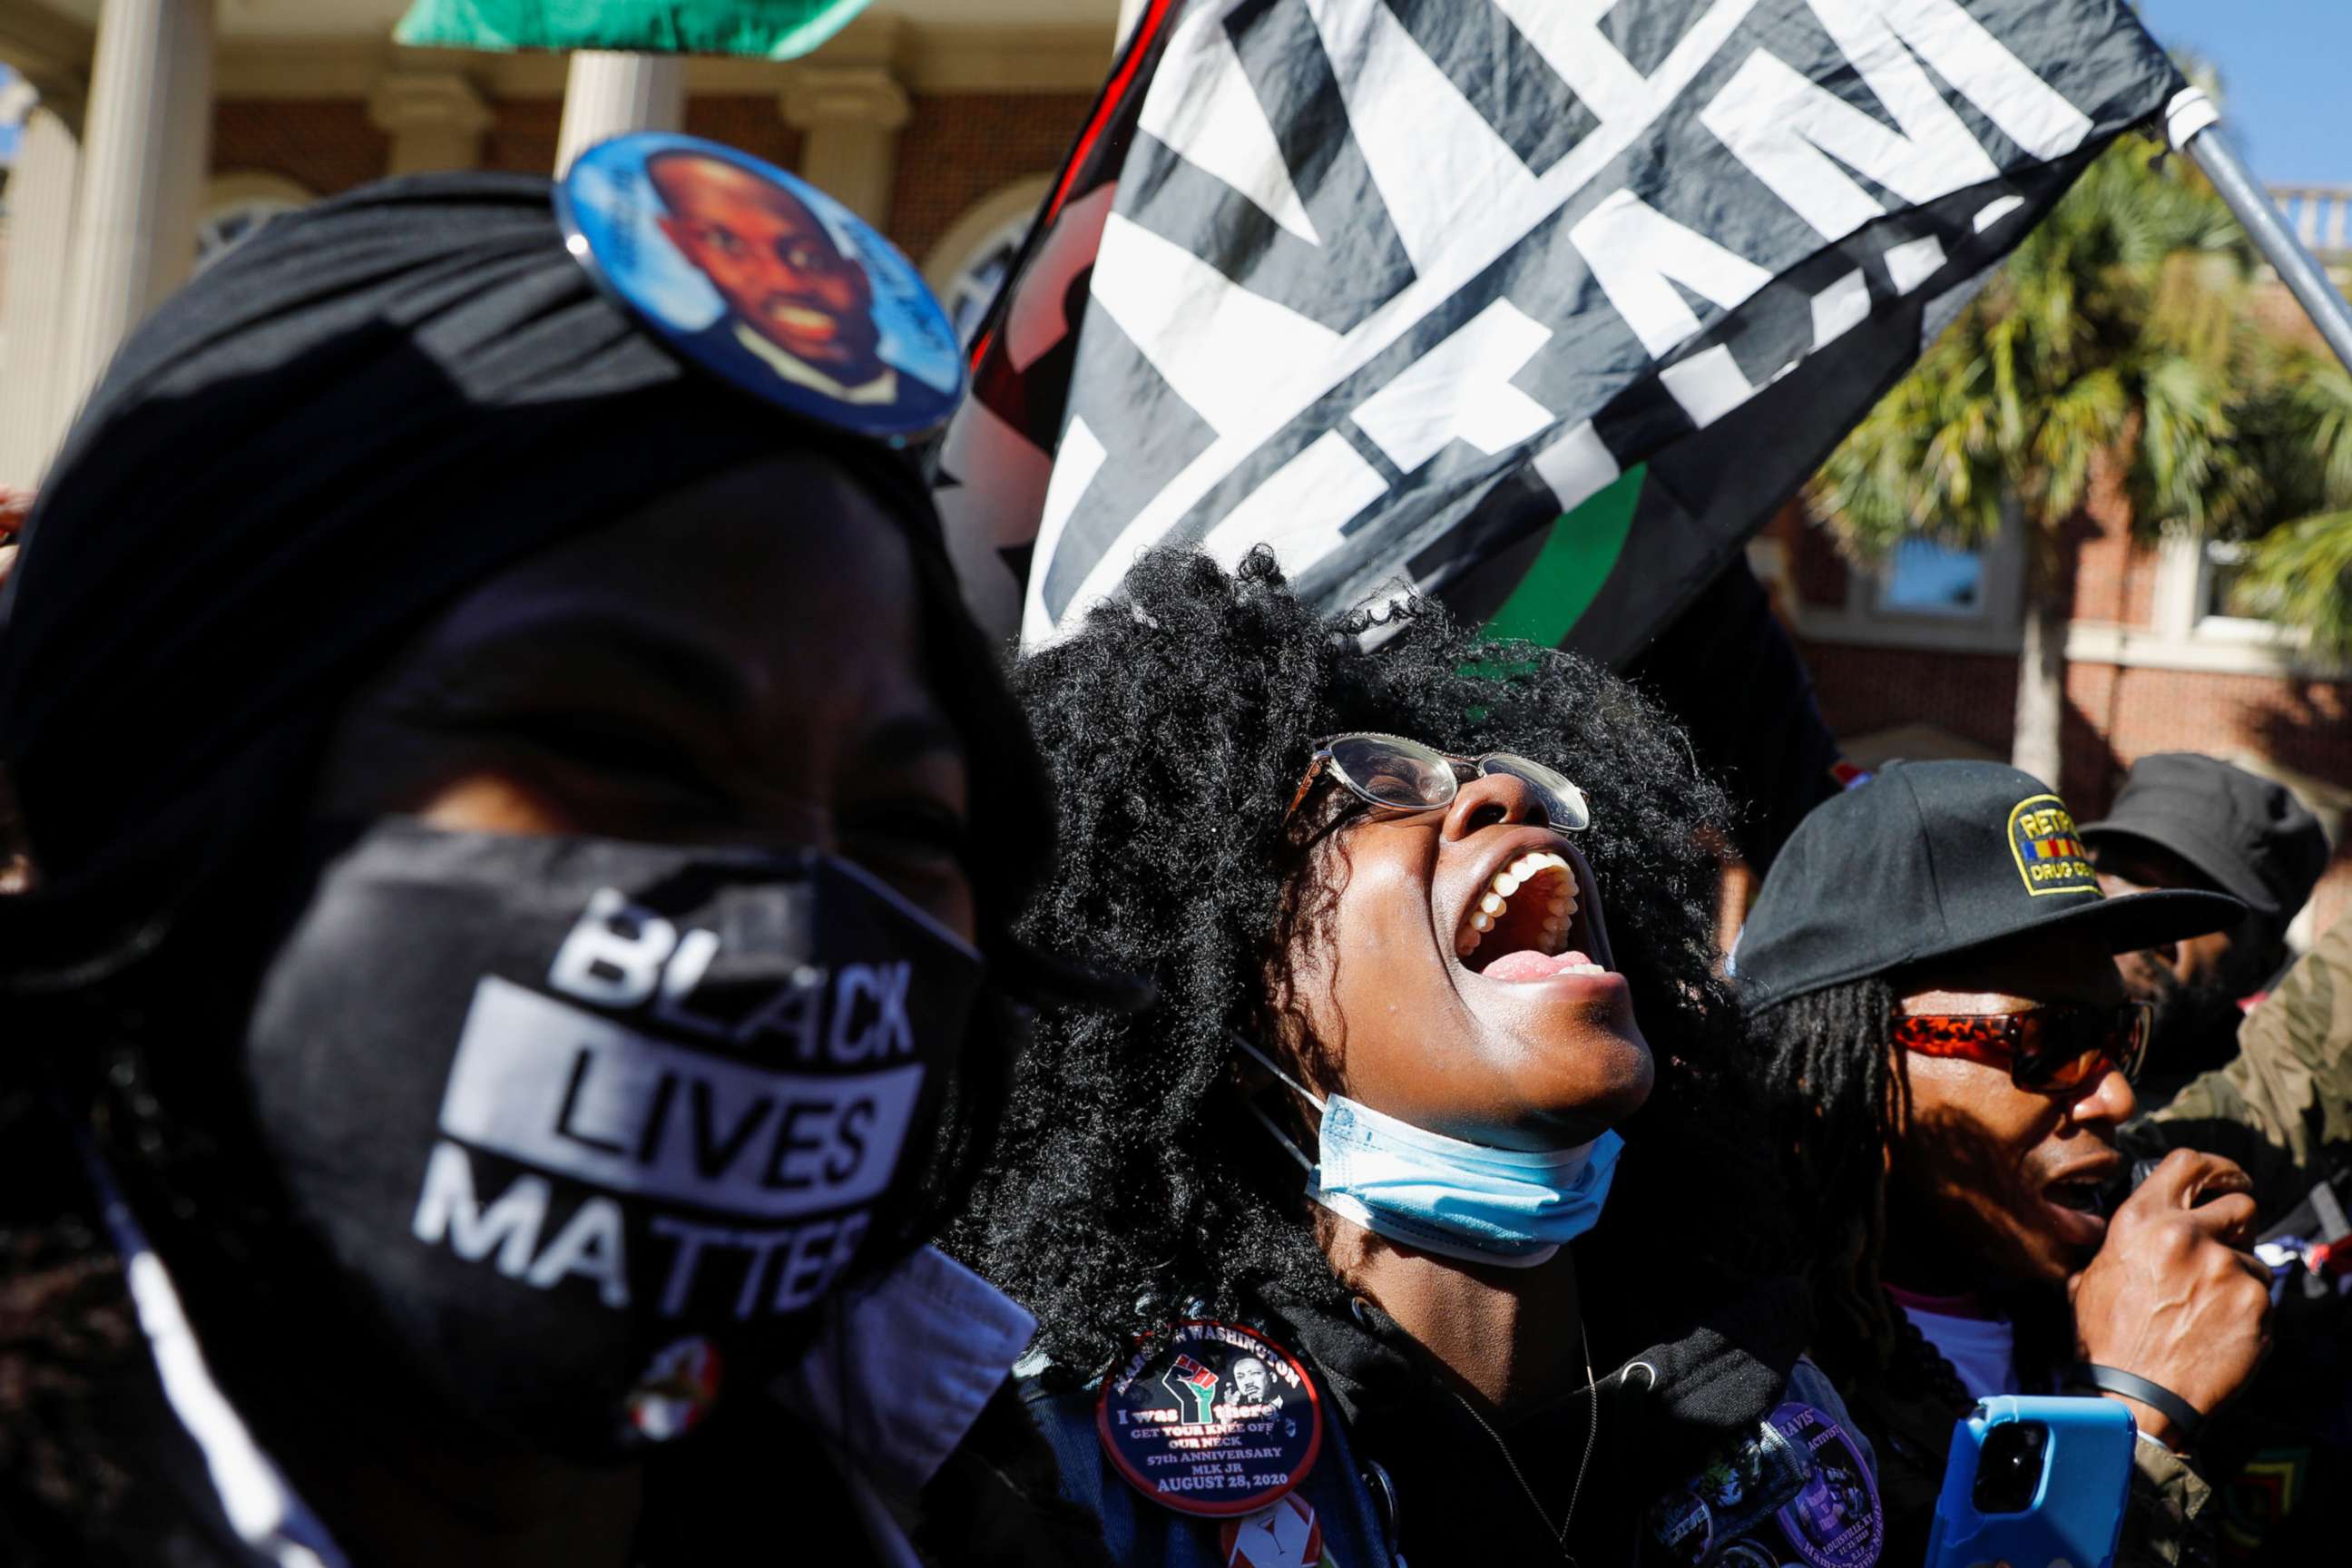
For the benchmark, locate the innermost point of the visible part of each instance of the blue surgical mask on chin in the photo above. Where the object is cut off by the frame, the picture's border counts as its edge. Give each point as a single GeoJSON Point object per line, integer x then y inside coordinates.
{"type": "Point", "coordinates": [1506, 1206]}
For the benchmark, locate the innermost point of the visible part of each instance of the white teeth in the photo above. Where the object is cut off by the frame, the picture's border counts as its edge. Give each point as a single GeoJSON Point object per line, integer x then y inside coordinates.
{"type": "Point", "coordinates": [1559, 904]}
{"type": "Point", "coordinates": [1584, 969]}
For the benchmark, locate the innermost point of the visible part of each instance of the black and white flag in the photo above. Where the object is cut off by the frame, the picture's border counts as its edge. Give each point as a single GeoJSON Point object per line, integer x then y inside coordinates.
{"type": "Point", "coordinates": [1542, 305]}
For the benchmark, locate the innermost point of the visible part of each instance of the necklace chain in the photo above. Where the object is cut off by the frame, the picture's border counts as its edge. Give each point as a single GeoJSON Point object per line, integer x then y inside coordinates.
{"type": "Point", "coordinates": [1510, 1460]}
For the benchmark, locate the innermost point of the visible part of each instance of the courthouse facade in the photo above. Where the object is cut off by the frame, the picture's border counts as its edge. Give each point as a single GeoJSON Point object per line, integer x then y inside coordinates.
{"type": "Point", "coordinates": [164, 130]}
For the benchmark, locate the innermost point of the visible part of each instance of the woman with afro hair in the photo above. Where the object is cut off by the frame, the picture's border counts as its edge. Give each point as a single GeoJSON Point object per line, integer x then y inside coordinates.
{"type": "Point", "coordinates": [1389, 948]}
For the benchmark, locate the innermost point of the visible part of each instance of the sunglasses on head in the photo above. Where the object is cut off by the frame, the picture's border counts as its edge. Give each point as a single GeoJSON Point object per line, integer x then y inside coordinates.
{"type": "Point", "coordinates": [2053, 1049]}
{"type": "Point", "coordinates": [1398, 774]}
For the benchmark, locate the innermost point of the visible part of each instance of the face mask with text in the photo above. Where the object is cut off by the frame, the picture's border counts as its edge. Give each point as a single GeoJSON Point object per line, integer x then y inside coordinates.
{"type": "Point", "coordinates": [596, 1126]}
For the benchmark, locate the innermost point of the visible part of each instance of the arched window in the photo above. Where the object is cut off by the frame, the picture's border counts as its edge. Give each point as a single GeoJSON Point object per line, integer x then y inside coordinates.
{"type": "Point", "coordinates": [969, 264]}
{"type": "Point", "coordinates": [238, 204]}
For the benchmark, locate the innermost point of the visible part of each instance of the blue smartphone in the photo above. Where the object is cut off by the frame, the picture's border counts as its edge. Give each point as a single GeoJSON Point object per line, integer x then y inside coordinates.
{"type": "Point", "coordinates": [2033, 1483]}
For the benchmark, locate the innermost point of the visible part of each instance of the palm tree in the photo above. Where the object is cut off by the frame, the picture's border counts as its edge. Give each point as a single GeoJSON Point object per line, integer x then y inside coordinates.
{"type": "Point", "coordinates": [2302, 571]}
{"type": "Point", "coordinates": [2112, 341]}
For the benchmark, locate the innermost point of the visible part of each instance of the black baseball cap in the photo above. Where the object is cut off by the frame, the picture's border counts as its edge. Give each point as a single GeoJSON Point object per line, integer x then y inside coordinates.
{"type": "Point", "coordinates": [2246, 834]}
{"type": "Point", "coordinates": [1929, 859]}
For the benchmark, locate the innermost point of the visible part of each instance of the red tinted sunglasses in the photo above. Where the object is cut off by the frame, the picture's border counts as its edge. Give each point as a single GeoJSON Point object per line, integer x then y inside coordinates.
{"type": "Point", "coordinates": [2047, 1050]}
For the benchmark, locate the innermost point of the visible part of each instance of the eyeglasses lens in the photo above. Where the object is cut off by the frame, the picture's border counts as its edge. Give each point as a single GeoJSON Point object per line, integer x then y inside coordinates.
{"type": "Point", "coordinates": [2062, 1049]}
{"type": "Point", "coordinates": [1563, 802]}
{"type": "Point", "coordinates": [1394, 772]}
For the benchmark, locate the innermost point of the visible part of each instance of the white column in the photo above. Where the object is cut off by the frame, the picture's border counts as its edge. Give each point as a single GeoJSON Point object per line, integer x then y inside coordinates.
{"type": "Point", "coordinates": [33, 407]}
{"type": "Point", "coordinates": [1130, 12]}
{"type": "Point", "coordinates": [606, 93]}
{"type": "Point", "coordinates": [435, 119]}
{"type": "Point", "coordinates": [147, 148]}
{"type": "Point", "coordinates": [849, 117]}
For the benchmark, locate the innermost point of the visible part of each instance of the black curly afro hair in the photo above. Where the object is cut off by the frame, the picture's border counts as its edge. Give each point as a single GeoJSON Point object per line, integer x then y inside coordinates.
{"type": "Point", "coordinates": [1176, 723]}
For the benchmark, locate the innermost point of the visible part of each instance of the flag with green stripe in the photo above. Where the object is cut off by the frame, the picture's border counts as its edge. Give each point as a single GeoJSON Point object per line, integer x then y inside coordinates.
{"type": "Point", "coordinates": [1541, 308]}
{"type": "Point", "coordinates": [771, 29]}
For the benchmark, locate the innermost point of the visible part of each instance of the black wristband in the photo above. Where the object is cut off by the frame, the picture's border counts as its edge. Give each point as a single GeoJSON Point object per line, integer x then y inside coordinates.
{"type": "Point", "coordinates": [2185, 1418]}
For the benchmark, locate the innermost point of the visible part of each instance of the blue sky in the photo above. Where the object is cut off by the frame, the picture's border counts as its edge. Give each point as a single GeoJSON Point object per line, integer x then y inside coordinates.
{"type": "Point", "coordinates": [8, 133]}
{"type": "Point", "coordinates": [2286, 74]}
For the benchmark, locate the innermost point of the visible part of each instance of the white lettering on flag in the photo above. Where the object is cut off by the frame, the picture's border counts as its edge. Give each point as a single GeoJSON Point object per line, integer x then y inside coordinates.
{"type": "Point", "coordinates": [1217, 124]}
{"type": "Point", "coordinates": [1302, 509]}
{"type": "Point", "coordinates": [1576, 465]}
{"type": "Point", "coordinates": [1461, 389]}
{"type": "Point", "coordinates": [1080, 459]}
{"type": "Point", "coordinates": [1840, 308]}
{"type": "Point", "coordinates": [1638, 254]}
{"type": "Point", "coordinates": [1794, 135]}
{"type": "Point", "coordinates": [1400, 105]}
{"type": "Point", "coordinates": [1482, 235]}
{"type": "Point", "coordinates": [1220, 346]}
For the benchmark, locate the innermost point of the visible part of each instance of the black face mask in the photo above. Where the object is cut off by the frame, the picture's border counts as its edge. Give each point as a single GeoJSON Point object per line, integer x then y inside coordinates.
{"type": "Point", "coordinates": [593, 1127]}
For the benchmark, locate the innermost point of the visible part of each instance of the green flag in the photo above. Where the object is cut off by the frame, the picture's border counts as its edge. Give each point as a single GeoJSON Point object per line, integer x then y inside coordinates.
{"type": "Point", "coordinates": [772, 29]}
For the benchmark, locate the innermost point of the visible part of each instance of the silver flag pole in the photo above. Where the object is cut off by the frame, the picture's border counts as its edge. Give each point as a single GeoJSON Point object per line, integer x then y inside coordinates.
{"type": "Point", "coordinates": [2193, 125]}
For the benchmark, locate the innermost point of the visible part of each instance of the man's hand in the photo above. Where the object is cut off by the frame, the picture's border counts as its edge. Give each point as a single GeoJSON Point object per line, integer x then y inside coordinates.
{"type": "Point", "coordinates": [2172, 1296]}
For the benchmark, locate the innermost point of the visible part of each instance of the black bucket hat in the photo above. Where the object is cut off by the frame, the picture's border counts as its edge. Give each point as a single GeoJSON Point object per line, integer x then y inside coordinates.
{"type": "Point", "coordinates": [2246, 834]}
{"type": "Point", "coordinates": [1929, 859]}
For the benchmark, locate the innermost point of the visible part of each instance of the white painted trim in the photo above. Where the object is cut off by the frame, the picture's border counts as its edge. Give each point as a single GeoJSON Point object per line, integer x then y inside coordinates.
{"type": "Point", "coordinates": [1861, 621]}
{"type": "Point", "coordinates": [2137, 648]}
{"type": "Point", "coordinates": [980, 223]}
{"type": "Point", "coordinates": [2177, 640]}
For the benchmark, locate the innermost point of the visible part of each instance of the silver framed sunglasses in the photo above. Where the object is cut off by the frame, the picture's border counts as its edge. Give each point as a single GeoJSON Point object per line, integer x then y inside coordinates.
{"type": "Point", "coordinates": [1399, 774]}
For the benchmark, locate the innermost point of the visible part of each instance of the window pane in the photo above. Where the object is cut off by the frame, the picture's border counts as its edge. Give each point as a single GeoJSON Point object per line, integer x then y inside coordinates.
{"type": "Point", "coordinates": [2227, 592]}
{"type": "Point", "coordinates": [1927, 579]}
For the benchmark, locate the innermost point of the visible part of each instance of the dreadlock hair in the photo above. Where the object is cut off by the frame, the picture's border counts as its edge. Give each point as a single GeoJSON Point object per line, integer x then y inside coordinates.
{"type": "Point", "coordinates": [1836, 1096]}
{"type": "Point", "coordinates": [1176, 723]}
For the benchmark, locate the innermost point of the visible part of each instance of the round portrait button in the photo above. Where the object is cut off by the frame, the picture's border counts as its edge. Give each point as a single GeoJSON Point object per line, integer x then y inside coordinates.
{"type": "Point", "coordinates": [758, 277]}
{"type": "Point", "coordinates": [1211, 1419]}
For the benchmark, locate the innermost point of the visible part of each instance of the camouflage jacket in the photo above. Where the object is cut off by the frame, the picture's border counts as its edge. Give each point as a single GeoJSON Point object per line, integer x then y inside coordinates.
{"type": "Point", "coordinates": [2283, 1108]}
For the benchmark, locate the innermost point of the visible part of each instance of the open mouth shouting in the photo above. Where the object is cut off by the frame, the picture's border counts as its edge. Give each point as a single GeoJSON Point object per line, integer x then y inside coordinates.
{"type": "Point", "coordinates": [1531, 919]}
{"type": "Point", "coordinates": [2075, 1201]}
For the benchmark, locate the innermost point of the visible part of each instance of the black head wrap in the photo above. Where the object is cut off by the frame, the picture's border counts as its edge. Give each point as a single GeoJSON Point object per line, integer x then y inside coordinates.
{"type": "Point", "coordinates": [346, 422]}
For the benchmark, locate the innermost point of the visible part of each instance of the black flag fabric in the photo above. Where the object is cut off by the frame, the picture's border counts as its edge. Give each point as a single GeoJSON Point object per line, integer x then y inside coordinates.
{"type": "Point", "coordinates": [1543, 305]}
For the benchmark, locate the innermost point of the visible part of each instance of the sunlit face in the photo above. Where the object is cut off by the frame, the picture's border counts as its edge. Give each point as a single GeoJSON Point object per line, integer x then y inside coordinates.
{"type": "Point", "coordinates": [770, 259]}
{"type": "Point", "coordinates": [716, 668]}
{"type": "Point", "coordinates": [1411, 1027]}
{"type": "Point", "coordinates": [1993, 1184]}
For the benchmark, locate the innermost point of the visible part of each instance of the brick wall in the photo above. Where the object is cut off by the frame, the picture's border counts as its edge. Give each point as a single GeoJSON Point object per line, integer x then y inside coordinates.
{"type": "Point", "coordinates": [957, 148]}
{"type": "Point", "coordinates": [2115, 715]}
{"type": "Point", "coordinates": [747, 120]}
{"type": "Point", "coordinates": [324, 144]}
{"type": "Point", "coordinates": [2115, 574]}
{"type": "Point", "coordinates": [522, 136]}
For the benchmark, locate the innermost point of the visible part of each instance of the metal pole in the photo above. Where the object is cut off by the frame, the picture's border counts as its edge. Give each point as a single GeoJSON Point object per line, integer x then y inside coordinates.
{"type": "Point", "coordinates": [2197, 132]}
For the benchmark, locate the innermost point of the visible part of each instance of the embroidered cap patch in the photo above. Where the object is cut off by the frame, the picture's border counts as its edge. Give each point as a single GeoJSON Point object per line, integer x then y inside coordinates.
{"type": "Point", "coordinates": [759, 278]}
{"type": "Point", "coordinates": [2049, 855]}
